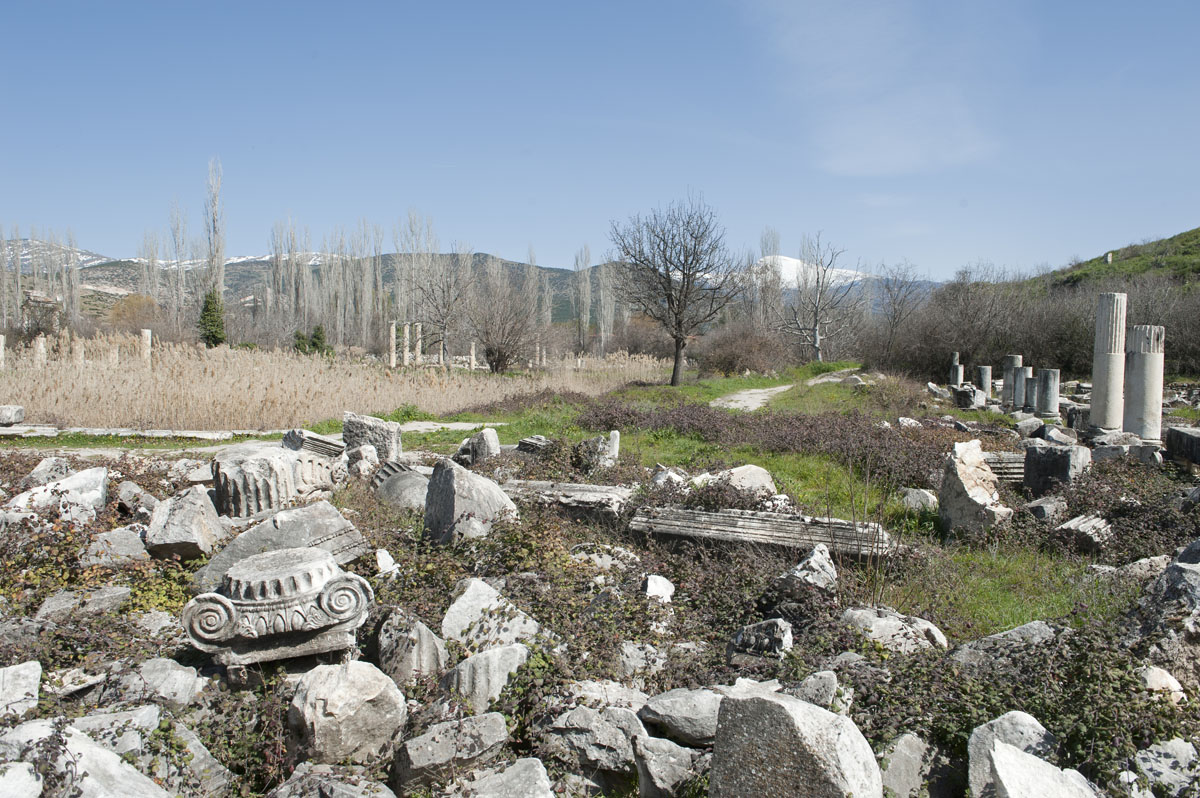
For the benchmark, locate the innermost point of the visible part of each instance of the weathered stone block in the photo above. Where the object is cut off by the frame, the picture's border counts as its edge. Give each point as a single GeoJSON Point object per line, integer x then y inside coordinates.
{"type": "Point", "coordinates": [1054, 465]}
{"type": "Point", "coordinates": [384, 435]}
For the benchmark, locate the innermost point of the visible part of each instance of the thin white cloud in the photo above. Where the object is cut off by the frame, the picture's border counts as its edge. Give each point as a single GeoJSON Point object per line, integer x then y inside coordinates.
{"type": "Point", "coordinates": [880, 92]}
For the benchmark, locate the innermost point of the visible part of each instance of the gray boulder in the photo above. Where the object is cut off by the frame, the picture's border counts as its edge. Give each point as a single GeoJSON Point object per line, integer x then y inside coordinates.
{"type": "Point", "coordinates": [368, 430]}
{"type": "Point", "coordinates": [997, 651]}
{"type": "Point", "coordinates": [605, 693]}
{"type": "Point", "coordinates": [479, 679]}
{"type": "Point", "coordinates": [312, 780]}
{"type": "Point", "coordinates": [408, 649]}
{"type": "Point", "coordinates": [89, 767]}
{"type": "Point", "coordinates": [11, 414]}
{"type": "Point", "coordinates": [905, 765]}
{"type": "Point", "coordinates": [133, 500]}
{"type": "Point", "coordinates": [1168, 615]}
{"type": "Point", "coordinates": [351, 711]}
{"type": "Point", "coordinates": [184, 526]}
{"type": "Point", "coordinates": [19, 688]}
{"type": "Point", "coordinates": [65, 603]}
{"type": "Point", "coordinates": [131, 734]}
{"type": "Point", "coordinates": [903, 634]}
{"type": "Point", "coordinates": [50, 469]}
{"type": "Point", "coordinates": [463, 505]}
{"type": "Point", "coordinates": [447, 748]}
{"type": "Point", "coordinates": [779, 745]}
{"type": "Point", "coordinates": [662, 766]}
{"type": "Point", "coordinates": [1047, 508]}
{"type": "Point", "coordinates": [816, 571]}
{"type": "Point", "coordinates": [823, 689]}
{"type": "Point", "coordinates": [20, 779]}
{"type": "Point", "coordinates": [919, 500]}
{"type": "Point", "coordinates": [318, 525]}
{"type": "Point", "coordinates": [1017, 774]}
{"type": "Point", "coordinates": [596, 740]}
{"type": "Point", "coordinates": [160, 680]}
{"type": "Point", "coordinates": [525, 778]}
{"type": "Point", "coordinates": [1054, 465]}
{"type": "Point", "coordinates": [78, 497]}
{"type": "Point", "coordinates": [686, 716]}
{"type": "Point", "coordinates": [479, 447]}
{"type": "Point", "coordinates": [480, 618]}
{"type": "Point", "coordinates": [1018, 729]}
{"type": "Point", "coordinates": [116, 547]}
{"type": "Point", "coordinates": [969, 499]}
{"type": "Point", "coordinates": [1172, 765]}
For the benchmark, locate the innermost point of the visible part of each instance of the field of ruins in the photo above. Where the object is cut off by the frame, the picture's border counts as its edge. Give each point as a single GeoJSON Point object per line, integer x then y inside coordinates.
{"type": "Point", "coordinates": [239, 572]}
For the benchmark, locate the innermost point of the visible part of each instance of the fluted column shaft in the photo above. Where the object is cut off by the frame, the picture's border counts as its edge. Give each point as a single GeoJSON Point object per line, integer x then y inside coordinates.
{"type": "Point", "coordinates": [1144, 353]}
{"type": "Point", "coordinates": [1108, 363]}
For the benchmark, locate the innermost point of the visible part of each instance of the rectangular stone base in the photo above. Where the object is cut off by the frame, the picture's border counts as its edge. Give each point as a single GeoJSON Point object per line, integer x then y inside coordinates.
{"type": "Point", "coordinates": [270, 649]}
{"type": "Point", "coordinates": [1183, 444]}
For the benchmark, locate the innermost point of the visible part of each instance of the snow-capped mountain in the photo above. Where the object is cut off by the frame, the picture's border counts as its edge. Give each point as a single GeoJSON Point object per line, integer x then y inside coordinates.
{"type": "Point", "coordinates": [794, 270]}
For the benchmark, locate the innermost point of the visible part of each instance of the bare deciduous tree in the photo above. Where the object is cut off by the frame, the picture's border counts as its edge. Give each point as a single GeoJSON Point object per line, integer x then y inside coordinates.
{"type": "Point", "coordinates": [827, 301]}
{"type": "Point", "coordinates": [214, 230]}
{"type": "Point", "coordinates": [498, 314]}
{"type": "Point", "coordinates": [674, 267]}
{"type": "Point", "coordinates": [581, 298]}
{"type": "Point", "coordinates": [444, 292]}
{"type": "Point", "coordinates": [898, 296]}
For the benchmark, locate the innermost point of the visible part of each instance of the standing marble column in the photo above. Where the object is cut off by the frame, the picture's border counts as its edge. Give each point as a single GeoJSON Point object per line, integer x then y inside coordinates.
{"type": "Point", "coordinates": [144, 347]}
{"type": "Point", "coordinates": [39, 352]}
{"type": "Point", "coordinates": [2, 352]}
{"type": "Point", "coordinates": [1046, 404]}
{"type": "Point", "coordinates": [417, 353]}
{"type": "Point", "coordinates": [406, 359]}
{"type": "Point", "coordinates": [1144, 382]}
{"type": "Point", "coordinates": [392, 345]}
{"type": "Point", "coordinates": [956, 371]}
{"type": "Point", "coordinates": [1030, 390]}
{"type": "Point", "coordinates": [983, 380]}
{"type": "Point", "coordinates": [1020, 375]}
{"type": "Point", "coordinates": [1011, 364]}
{"type": "Point", "coordinates": [1108, 363]}
{"type": "Point", "coordinates": [472, 356]}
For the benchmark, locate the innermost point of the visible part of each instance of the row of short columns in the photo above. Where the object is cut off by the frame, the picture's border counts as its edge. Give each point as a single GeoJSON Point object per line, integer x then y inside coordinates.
{"type": "Point", "coordinates": [411, 333]}
{"type": "Point", "coordinates": [41, 358]}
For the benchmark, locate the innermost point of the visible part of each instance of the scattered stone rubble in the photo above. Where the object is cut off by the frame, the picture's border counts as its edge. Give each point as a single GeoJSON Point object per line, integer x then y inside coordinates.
{"type": "Point", "coordinates": [275, 589]}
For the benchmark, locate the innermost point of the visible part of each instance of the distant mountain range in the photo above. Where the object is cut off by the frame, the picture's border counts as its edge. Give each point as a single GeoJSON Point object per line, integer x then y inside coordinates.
{"type": "Point", "coordinates": [107, 279]}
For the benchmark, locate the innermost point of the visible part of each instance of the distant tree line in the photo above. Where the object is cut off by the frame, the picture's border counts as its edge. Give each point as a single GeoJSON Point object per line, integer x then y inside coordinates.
{"type": "Point", "coordinates": [670, 286]}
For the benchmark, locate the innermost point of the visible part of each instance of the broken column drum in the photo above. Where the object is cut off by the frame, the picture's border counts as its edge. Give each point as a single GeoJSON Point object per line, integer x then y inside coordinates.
{"type": "Point", "coordinates": [277, 605]}
{"type": "Point", "coordinates": [1108, 363]}
{"type": "Point", "coordinates": [956, 371]}
{"type": "Point", "coordinates": [1011, 364]}
{"type": "Point", "coordinates": [983, 379]}
{"type": "Point", "coordinates": [1021, 374]}
{"type": "Point", "coordinates": [1142, 414]}
{"type": "Point", "coordinates": [1046, 405]}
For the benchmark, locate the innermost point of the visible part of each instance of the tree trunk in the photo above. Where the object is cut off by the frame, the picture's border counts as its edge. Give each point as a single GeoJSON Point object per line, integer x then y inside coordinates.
{"type": "Point", "coordinates": [816, 338]}
{"type": "Point", "coordinates": [677, 370]}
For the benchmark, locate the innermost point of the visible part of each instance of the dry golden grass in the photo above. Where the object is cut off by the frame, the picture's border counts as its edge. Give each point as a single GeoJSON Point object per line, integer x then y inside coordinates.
{"type": "Point", "coordinates": [190, 387]}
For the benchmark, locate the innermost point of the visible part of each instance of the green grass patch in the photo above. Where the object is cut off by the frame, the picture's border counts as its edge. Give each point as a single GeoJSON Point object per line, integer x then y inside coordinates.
{"type": "Point", "coordinates": [971, 593]}
{"type": "Point", "coordinates": [1178, 256]}
{"type": "Point", "coordinates": [1189, 414]}
{"type": "Point", "coordinates": [76, 440]}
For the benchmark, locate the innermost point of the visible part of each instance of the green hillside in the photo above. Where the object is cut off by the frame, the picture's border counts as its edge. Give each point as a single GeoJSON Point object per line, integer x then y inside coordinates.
{"type": "Point", "coordinates": [1177, 256]}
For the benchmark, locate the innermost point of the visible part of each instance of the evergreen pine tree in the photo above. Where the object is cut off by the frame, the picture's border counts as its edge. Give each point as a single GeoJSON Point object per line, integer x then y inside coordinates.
{"type": "Point", "coordinates": [212, 320]}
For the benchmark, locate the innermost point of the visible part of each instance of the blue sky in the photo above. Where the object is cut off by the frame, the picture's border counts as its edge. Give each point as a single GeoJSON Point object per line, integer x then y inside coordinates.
{"type": "Point", "coordinates": [1020, 133]}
